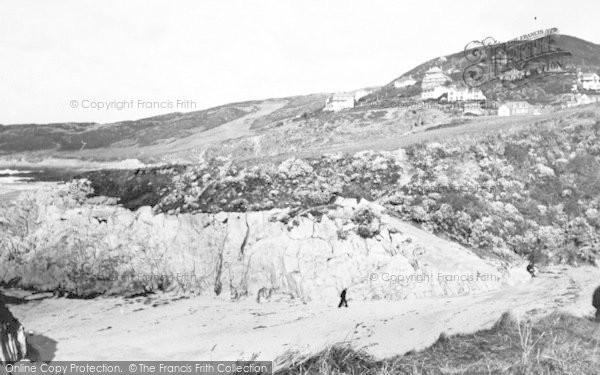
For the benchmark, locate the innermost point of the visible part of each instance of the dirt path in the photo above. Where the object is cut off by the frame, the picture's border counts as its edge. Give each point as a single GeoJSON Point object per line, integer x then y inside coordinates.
{"type": "Point", "coordinates": [209, 329]}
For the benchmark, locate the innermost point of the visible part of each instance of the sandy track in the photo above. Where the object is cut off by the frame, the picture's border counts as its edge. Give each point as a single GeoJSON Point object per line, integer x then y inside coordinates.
{"type": "Point", "coordinates": [203, 328]}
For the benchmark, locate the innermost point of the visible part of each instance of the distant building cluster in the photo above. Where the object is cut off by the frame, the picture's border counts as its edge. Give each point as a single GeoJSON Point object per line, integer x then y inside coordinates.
{"type": "Point", "coordinates": [437, 85]}
{"type": "Point", "coordinates": [434, 86]}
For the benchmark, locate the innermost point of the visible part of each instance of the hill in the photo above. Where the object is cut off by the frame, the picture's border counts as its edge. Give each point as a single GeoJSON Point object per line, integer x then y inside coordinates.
{"type": "Point", "coordinates": [584, 56]}
{"type": "Point", "coordinates": [277, 128]}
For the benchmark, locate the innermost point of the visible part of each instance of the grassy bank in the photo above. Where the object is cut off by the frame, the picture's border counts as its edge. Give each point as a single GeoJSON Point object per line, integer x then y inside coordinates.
{"type": "Point", "coordinates": [556, 344]}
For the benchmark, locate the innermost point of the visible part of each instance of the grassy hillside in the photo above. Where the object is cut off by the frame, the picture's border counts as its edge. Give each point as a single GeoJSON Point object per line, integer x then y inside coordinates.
{"type": "Point", "coordinates": [555, 345]}
{"type": "Point", "coordinates": [144, 132]}
{"type": "Point", "coordinates": [585, 56]}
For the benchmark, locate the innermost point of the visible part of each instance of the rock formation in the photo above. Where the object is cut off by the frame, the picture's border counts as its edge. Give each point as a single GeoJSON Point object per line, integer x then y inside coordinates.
{"type": "Point", "coordinates": [237, 255]}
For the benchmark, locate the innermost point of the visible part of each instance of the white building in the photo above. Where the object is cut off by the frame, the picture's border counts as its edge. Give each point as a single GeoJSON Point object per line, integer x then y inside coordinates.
{"type": "Point", "coordinates": [465, 94]}
{"type": "Point", "coordinates": [434, 77]}
{"type": "Point", "coordinates": [434, 93]}
{"type": "Point", "coordinates": [515, 109]}
{"type": "Point", "coordinates": [589, 81]}
{"type": "Point", "coordinates": [338, 102]}
{"type": "Point", "coordinates": [454, 94]}
{"type": "Point", "coordinates": [404, 82]}
{"type": "Point", "coordinates": [574, 100]}
{"type": "Point", "coordinates": [594, 98]}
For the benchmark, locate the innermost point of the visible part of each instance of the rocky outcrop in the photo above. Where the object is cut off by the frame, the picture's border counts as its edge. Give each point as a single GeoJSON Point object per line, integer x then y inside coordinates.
{"type": "Point", "coordinates": [13, 344]}
{"type": "Point", "coordinates": [87, 249]}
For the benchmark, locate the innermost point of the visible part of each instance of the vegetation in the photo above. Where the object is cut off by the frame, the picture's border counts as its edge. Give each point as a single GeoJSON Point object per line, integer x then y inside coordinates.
{"type": "Point", "coordinates": [533, 192]}
{"type": "Point", "coordinates": [557, 344]}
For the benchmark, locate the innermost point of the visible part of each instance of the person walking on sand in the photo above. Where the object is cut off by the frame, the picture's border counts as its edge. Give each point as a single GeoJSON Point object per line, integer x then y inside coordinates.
{"type": "Point", "coordinates": [343, 301]}
{"type": "Point", "coordinates": [596, 303]}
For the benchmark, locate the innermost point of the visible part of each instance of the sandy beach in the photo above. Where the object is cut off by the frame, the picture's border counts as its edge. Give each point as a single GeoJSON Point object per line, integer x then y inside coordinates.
{"type": "Point", "coordinates": [164, 327]}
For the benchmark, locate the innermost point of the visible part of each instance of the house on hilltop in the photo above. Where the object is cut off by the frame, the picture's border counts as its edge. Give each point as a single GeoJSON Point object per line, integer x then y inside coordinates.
{"type": "Point", "coordinates": [589, 81]}
{"type": "Point", "coordinates": [517, 109]}
{"type": "Point", "coordinates": [434, 77]}
{"type": "Point", "coordinates": [338, 102]}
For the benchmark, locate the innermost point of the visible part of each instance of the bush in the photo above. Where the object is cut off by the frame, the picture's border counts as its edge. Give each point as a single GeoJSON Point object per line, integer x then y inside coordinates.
{"type": "Point", "coordinates": [367, 222]}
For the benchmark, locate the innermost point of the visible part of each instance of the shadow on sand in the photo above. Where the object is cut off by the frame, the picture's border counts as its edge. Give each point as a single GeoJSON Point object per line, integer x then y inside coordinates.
{"type": "Point", "coordinates": [40, 348]}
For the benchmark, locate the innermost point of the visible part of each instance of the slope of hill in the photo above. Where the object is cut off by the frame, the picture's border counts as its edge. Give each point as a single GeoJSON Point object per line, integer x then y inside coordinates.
{"type": "Point", "coordinates": [585, 56]}
{"type": "Point", "coordinates": [152, 136]}
{"type": "Point", "coordinates": [69, 137]}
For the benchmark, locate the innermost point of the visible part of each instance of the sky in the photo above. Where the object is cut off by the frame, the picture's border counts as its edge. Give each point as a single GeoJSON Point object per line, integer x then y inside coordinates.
{"type": "Point", "coordinates": [112, 60]}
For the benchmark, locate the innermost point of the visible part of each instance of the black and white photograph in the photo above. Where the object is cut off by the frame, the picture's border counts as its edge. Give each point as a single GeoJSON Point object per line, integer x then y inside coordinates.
{"type": "Point", "coordinates": [299, 187]}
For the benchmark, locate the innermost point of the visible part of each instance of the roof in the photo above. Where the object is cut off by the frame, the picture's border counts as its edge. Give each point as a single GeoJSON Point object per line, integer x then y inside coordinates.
{"type": "Point", "coordinates": [588, 75]}
{"type": "Point", "coordinates": [435, 69]}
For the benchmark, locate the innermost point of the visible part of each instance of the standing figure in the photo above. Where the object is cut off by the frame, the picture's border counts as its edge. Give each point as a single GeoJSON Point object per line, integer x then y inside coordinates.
{"type": "Point", "coordinates": [596, 303]}
{"type": "Point", "coordinates": [532, 269]}
{"type": "Point", "coordinates": [13, 343]}
{"type": "Point", "coordinates": [343, 301]}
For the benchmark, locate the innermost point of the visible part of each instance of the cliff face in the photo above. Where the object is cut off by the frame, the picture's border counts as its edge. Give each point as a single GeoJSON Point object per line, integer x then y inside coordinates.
{"type": "Point", "coordinates": [70, 245]}
{"type": "Point", "coordinates": [13, 345]}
